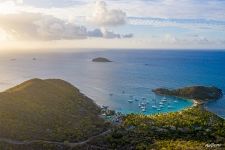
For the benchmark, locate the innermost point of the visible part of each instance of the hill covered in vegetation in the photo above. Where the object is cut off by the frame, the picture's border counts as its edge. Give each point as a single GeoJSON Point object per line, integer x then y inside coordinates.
{"type": "Point", "coordinates": [50, 109]}
{"type": "Point", "coordinates": [190, 129]}
{"type": "Point", "coordinates": [195, 92]}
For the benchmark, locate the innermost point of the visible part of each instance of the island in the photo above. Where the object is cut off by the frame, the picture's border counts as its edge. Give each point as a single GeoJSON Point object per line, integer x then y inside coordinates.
{"type": "Point", "coordinates": [101, 59]}
{"type": "Point", "coordinates": [200, 94]}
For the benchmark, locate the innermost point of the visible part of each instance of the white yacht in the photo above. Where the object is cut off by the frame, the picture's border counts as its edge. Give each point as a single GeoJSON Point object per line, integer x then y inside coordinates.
{"type": "Point", "coordinates": [139, 105]}
{"type": "Point", "coordinates": [161, 106]}
{"type": "Point", "coordinates": [130, 101]}
{"type": "Point", "coordinates": [164, 99]}
{"type": "Point", "coordinates": [143, 110]}
{"type": "Point", "coordinates": [154, 106]}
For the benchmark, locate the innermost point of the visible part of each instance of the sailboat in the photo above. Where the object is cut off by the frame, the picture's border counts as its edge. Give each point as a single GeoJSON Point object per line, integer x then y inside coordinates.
{"type": "Point", "coordinates": [164, 99]}
{"type": "Point", "coordinates": [154, 106]}
{"type": "Point", "coordinates": [139, 105]}
{"type": "Point", "coordinates": [143, 110]}
{"type": "Point", "coordinates": [161, 106]}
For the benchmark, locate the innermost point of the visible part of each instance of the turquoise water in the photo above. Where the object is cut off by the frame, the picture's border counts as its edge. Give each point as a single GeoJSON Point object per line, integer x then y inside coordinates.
{"type": "Point", "coordinates": [132, 73]}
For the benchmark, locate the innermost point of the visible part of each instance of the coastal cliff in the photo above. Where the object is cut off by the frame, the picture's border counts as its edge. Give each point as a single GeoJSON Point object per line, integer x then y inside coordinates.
{"type": "Point", "coordinates": [199, 93]}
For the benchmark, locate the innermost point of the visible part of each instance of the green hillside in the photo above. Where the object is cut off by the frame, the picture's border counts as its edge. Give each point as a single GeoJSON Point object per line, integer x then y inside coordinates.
{"type": "Point", "coordinates": [191, 129]}
{"type": "Point", "coordinates": [48, 110]}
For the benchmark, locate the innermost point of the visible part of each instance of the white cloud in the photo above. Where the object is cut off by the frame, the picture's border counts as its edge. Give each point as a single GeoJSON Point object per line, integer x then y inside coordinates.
{"type": "Point", "coordinates": [40, 27]}
{"type": "Point", "coordinates": [35, 26]}
{"type": "Point", "coordinates": [104, 17]}
{"type": "Point", "coordinates": [15, 1]}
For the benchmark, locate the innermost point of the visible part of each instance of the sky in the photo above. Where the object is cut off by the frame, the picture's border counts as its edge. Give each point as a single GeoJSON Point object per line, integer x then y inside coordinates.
{"type": "Point", "coordinates": [145, 24]}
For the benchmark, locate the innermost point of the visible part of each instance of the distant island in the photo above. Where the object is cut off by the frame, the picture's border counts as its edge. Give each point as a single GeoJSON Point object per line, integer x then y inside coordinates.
{"type": "Point", "coordinates": [101, 59]}
{"type": "Point", "coordinates": [199, 93]}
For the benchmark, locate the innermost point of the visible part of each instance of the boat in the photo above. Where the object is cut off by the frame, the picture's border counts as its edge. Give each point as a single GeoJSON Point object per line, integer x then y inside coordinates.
{"type": "Point", "coordinates": [143, 110]}
{"type": "Point", "coordinates": [161, 103]}
{"type": "Point", "coordinates": [136, 99]}
{"type": "Point", "coordinates": [154, 106]}
{"type": "Point", "coordinates": [175, 101]}
{"type": "Point", "coordinates": [161, 106]}
{"type": "Point", "coordinates": [142, 103]}
{"type": "Point", "coordinates": [159, 109]}
{"type": "Point", "coordinates": [139, 105]}
{"type": "Point", "coordinates": [142, 107]}
{"type": "Point", "coordinates": [164, 99]}
{"type": "Point", "coordinates": [130, 101]}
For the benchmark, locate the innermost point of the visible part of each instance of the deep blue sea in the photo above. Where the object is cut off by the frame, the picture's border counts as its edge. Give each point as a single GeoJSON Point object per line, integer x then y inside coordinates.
{"type": "Point", "coordinates": [132, 75]}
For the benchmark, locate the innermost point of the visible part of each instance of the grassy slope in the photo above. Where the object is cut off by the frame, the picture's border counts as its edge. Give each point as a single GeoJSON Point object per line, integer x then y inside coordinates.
{"type": "Point", "coordinates": [47, 109]}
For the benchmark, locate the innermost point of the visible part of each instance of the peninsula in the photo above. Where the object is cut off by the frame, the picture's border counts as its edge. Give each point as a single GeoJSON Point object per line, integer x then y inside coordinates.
{"type": "Point", "coordinates": [201, 94]}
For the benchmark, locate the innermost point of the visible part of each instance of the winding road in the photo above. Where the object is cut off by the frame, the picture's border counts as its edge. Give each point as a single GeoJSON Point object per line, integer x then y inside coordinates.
{"type": "Point", "coordinates": [15, 142]}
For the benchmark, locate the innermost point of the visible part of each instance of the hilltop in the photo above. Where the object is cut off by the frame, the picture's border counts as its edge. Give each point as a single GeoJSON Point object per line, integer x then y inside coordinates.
{"type": "Point", "coordinates": [49, 109]}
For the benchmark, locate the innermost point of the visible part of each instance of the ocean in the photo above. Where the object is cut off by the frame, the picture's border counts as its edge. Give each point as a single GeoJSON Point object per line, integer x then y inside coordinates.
{"type": "Point", "coordinates": [131, 76]}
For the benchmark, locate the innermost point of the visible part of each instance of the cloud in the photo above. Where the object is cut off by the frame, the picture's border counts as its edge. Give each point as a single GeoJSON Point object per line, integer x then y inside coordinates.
{"type": "Point", "coordinates": [15, 1]}
{"type": "Point", "coordinates": [35, 26]}
{"type": "Point", "coordinates": [104, 17]}
{"type": "Point", "coordinates": [103, 33]}
{"type": "Point", "coordinates": [95, 33]}
{"type": "Point", "coordinates": [181, 23]}
{"type": "Point", "coordinates": [128, 35]}
{"type": "Point", "coordinates": [40, 27]}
